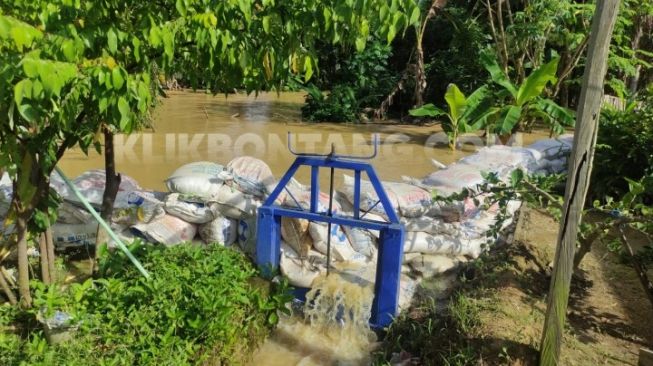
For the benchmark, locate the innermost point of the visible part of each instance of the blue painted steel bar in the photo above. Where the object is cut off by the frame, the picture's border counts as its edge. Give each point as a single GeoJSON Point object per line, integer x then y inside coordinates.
{"type": "Point", "coordinates": [390, 254]}
{"type": "Point", "coordinates": [357, 194]}
{"type": "Point", "coordinates": [315, 188]}
{"type": "Point", "coordinates": [383, 197]}
{"type": "Point", "coordinates": [338, 220]}
{"type": "Point", "coordinates": [388, 274]}
{"type": "Point", "coordinates": [282, 183]}
{"type": "Point", "coordinates": [268, 241]}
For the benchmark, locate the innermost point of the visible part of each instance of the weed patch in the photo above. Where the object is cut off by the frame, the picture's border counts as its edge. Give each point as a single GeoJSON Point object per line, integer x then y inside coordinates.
{"type": "Point", "coordinates": [201, 306]}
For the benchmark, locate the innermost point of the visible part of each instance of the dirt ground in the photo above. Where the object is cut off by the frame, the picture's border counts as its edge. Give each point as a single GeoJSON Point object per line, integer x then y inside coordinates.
{"type": "Point", "coordinates": [610, 318]}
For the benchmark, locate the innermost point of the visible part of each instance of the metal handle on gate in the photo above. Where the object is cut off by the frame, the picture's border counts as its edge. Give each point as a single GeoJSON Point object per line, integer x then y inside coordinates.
{"type": "Point", "coordinates": [375, 144]}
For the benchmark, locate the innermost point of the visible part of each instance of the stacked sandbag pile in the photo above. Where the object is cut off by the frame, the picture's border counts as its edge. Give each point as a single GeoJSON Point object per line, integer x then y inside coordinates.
{"type": "Point", "coordinates": [76, 227]}
{"type": "Point", "coordinates": [206, 202]}
{"type": "Point", "coordinates": [553, 154]}
{"type": "Point", "coordinates": [439, 235]}
{"type": "Point", "coordinates": [219, 202]}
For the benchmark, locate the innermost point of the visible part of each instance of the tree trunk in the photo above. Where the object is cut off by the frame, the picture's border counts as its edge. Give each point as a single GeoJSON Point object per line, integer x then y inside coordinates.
{"type": "Point", "coordinates": [420, 74]}
{"type": "Point", "coordinates": [637, 37]}
{"type": "Point", "coordinates": [580, 168]}
{"type": "Point", "coordinates": [43, 251]}
{"type": "Point", "coordinates": [23, 263]}
{"type": "Point", "coordinates": [110, 191]}
{"type": "Point", "coordinates": [49, 243]}
{"type": "Point", "coordinates": [7, 290]}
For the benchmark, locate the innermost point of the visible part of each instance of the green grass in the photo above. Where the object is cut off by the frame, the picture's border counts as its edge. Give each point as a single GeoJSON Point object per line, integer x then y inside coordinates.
{"type": "Point", "coordinates": [202, 305]}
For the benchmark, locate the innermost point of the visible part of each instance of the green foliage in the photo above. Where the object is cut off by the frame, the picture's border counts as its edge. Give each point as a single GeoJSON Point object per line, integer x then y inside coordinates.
{"type": "Point", "coordinates": [625, 56]}
{"type": "Point", "coordinates": [523, 102]}
{"type": "Point", "coordinates": [466, 114]}
{"type": "Point", "coordinates": [70, 69]}
{"type": "Point", "coordinates": [458, 38]}
{"type": "Point", "coordinates": [623, 148]}
{"type": "Point", "coordinates": [360, 83]}
{"type": "Point", "coordinates": [340, 105]}
{"type": "Point", "coordinates": [435, 337]}
{"type": "Point", "coordinates": [202, 304]}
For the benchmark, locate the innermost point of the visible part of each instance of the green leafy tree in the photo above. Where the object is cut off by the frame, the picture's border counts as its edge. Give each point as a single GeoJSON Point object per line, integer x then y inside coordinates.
{"type": "Point", "coordinates": [466, 114]}
{"type": "Point", "coordinates": [73, 70]}
{"type": "Point", "coordinates": [525, 101]}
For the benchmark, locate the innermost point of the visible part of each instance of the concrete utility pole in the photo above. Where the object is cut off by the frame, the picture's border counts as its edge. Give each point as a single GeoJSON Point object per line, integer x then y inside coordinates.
{"type": "Point", "coordinates": [580, 167]}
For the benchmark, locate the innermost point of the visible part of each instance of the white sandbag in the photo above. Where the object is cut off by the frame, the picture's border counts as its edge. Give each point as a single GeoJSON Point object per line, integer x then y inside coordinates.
{"type": "Point", "coordinates": [341, 250]}
{"type": "Point", "coordinates": [74, 235]}
{"type": "Point", "coordinates": [295, 233]}
{"type": "Point", "coordinates": [478, 222]}
{"type": "Point", "coordinates": [68, 213]}
{"type": "Point", "coordinates": [167, 230]}
{"type": "Point", "coordinates": [558, 165]}
{"type": "Point", "coordinates": [193, 212]}
{"type": "Point", "coordinates": [252, 176]}
{"type": "Point", "coordinates": [6, 194]}
{"type": "Point", "coordinates": [410, 256]}
{"type": "Point", "coordinates": [235, 204]}
{"type": "Point", "coordinates": [553, 148]}
{"type": "Point", "coordinates": [429, 265]}
{"type": "Point", "coordinates": [247, 235]}
{"type": "Point", "coordinates": [407, 290]}
{"type": "Point", "coordinates": [361, 240]}
{"type": "Point", "coordinates": [429, 225]}
{"type": "Point", "coordinates": [456, 211]}
{"type": "Point", "coordinates": [546, 167]}
{"type": "Point", "coordinates": [503, 159]}
{"type": "Point", "coordinates": [134, 207]}
{"type": "Point", "coordinates": [368, 196]}
{"type": "Point", "coordinates": [454, 179]}
{"type": "Point", "coordinates": [91, 185]}
{"type": "Point", "coordinates": [420, 242]}
{"type": "Point", "coordinates": [221, 230]}
{"type": "Point", "coordinates": [300, 197]}
{"type": "Point", "coordinates": [59, 185]}
{"type": "Point", "coordinates": [447, 212]}
{"type": "Point", "coordinates": [301, 271]}
{"type": "Point", "coordinates": [413, 201]}
{"type": "Point", "coordinates": [200, 178]}
{"type": "Point", "coordinates": [406, 199]}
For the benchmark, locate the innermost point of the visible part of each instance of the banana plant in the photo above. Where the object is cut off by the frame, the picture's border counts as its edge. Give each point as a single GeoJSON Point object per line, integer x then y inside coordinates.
{"type": "Point", "coordinates": [466, 114]}
{"type": "Point", "coordinates": [525, 101]}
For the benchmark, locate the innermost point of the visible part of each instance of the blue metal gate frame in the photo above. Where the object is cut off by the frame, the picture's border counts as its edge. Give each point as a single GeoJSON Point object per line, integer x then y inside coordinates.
{"type": "Point", "coordinates": [391, 239]}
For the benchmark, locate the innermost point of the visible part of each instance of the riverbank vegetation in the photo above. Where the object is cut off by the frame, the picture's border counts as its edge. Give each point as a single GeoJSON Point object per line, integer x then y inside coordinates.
{"type": "Point", "coordinates": [495, 316]}
{"type": "Point", "coordinates": [201, 306]}
{"type": "Point", "coordinates": [453, 39]}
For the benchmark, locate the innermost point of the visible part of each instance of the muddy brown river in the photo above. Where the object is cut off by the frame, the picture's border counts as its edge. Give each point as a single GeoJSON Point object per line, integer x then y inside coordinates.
{"type": "Point", "coordinates": [191, 126]}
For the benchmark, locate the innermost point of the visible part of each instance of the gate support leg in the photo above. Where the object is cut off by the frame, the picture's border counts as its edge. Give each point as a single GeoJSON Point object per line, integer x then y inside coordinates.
{"type": "Point", "coordinates": [388, 272]}
{"type": "Point", "coordinates": [268, 244]}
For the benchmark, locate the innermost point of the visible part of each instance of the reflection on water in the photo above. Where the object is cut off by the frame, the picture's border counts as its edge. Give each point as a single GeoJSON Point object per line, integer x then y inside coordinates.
{"type": "Point", "coordinates": [195, 126]}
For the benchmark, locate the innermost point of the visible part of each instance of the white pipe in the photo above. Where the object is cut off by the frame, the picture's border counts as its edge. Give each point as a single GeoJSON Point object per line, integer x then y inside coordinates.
{"type": "Point", "coordinates": [103, 223]}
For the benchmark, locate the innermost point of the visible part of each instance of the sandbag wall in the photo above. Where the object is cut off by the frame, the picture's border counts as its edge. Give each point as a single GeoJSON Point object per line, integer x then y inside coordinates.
{"type": "Point", "coordinates": [210, 203]}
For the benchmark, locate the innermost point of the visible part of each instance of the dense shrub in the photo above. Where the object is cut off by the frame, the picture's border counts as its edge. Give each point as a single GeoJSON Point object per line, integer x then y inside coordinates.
{"type": "Point", "coordinates": [624, 148]}
{"type": "Point", "coordinates": [360, 82]}
{"type": "Point", "coordinates": [200, 305]}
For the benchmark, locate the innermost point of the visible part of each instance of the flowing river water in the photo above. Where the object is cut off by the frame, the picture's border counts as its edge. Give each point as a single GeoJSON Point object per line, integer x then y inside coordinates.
{"type": "Point", "coordinates": [191, 126]}
{"type": "Point", "coordinates": [196, 126]}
